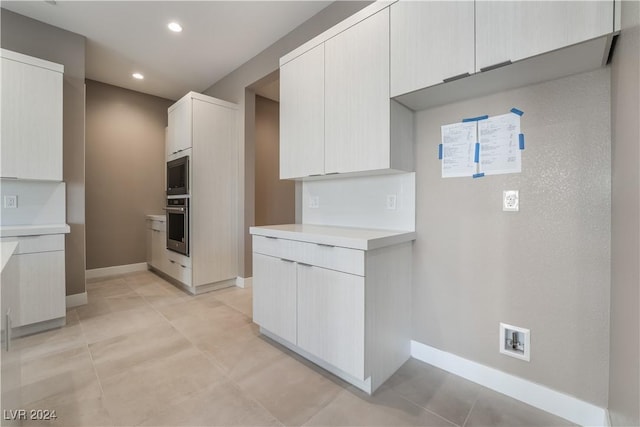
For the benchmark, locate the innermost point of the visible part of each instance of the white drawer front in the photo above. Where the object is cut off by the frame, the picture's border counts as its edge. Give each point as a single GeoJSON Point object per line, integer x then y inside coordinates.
{"type": "Point", "coordinates": [34, 244]}
{"type": "Point", "coordinates": [179, 272]}
{"type": "Point", "coordinates": [179, 258]}
{"type": "Point", "coordinates": [156, 225]}
{"type": "Point", "coordinates": [331, 257]}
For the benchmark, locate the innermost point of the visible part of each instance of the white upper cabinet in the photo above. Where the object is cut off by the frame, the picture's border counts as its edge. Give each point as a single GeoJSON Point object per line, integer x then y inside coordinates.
{"type": "Point", "coordinates": [357, 111]}
{"type": "Point", "coordinates": [302, 115]}
{"type": "Point", "coordinates": [431, 42]}
{"type": "Point", "coordinates": [31, 118]}
{"type": "Point", "coordinates": [179, 134]}
{"type": "Point", "coordinates": [336, 115]}
{"type": "Point", "coordinates": [514, 30]}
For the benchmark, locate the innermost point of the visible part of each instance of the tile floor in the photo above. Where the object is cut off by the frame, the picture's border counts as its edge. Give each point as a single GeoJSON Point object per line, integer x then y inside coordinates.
{"type": "Point", "coordinates": [142, 352]}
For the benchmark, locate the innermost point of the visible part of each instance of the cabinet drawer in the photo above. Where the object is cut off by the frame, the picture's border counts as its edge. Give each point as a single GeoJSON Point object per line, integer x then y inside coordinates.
{"type": "Point", "coordinates": [156, 225]}
{"type": "Point", "coordinates": [34, 244]}
{"type": "Point", "coordinates": [178, 258]}
{"type": "Point", "coordinates": [327, 256]}
{"type": "Point", "coordinates": [179, 272]}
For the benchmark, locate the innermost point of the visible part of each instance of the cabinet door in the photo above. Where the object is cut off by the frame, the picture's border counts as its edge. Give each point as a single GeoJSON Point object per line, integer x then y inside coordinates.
{"type": "Point", "coordinates": [357, 109]}
{"type": "Point", "coordinates": [31, 122]}
{"type": "Point", "coordinates": [513, 30]}
{"type": "Point", "coordinates": [179, 124]}
{"type": "Point", "coordinates": [302, 115]}
{"type": "Point", "coordinates": [42, 292]}
{"type": "Point", "coordinates": [431, 41]}
{"type": "Point", "coordinates": [331, 317]}
{"type": "Point", "coordinates": [274, 295]}
{"type": "Point", "coordinates": [159, 249]}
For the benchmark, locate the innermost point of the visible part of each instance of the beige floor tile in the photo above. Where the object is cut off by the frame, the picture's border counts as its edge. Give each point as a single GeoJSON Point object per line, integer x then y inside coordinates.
{"type": "Point", "coordinates": [82, 413]}
{"type": "Point", "coordinates": [108, 288]}
{"type": "Point", "coordinates": [54, 364]}
{"type": "Point", "coordinates": [222, 404]}
{"type": "Point", "coordinates": [135, 395]}
{"type": "Point", "coordinates": [120, 323]}
{"type": "Point", "coordinates": [385, 408]}
{"type": "Point", "coordinates": [55, 340]}
{"type": "Point", "coordinates": [201, 323]}
{"type": "Point", "coordinates": [436, 390]}
{"type": "Point", "coordinates": [292, 391]}
{"type": "Point", "coordinates": [124, 352]}
{"type": "Point", "coordinates": [66, 386]}
{"type": "Point", "coordinates": [238, 298]}
{"type": "Point", "coordinates": [495, 409]}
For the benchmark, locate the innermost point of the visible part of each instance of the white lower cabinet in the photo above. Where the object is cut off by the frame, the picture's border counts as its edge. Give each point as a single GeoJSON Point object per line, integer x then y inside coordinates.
{"type": "Point", "coordinates": [157, 245]}
{"type": "Point", "coordinates": [274, 295]}
{"type": "Point", "coordinates": [346, 309]}
{"type": "Point", "coordinates": [331, 317]}
{"type": "Point", "coordinates": [40, 295]}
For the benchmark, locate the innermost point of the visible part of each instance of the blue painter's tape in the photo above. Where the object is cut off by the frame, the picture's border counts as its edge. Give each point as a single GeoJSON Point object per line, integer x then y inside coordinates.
{"type": "Point", "coordinates": [478, 175]}
{"type": "Point", "coordinates": [521, 140]}
{"type": "Point", "coordinates": [475, 119]}
{"type": "Point", "coordinates": [476, 157]}
{"type": "Point", "coordinates": [440, 151]}
{"type": "Point", "coordinates": [516, 111]}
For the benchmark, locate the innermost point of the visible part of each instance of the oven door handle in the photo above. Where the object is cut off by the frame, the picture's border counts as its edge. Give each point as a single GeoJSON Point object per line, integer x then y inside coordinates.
{"type": "Point", "coordinates": [179, 210]}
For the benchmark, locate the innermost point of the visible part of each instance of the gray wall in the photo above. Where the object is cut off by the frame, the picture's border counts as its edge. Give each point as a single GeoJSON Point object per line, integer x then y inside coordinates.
{"type": "Point", "coordinates": [275, 198]}
{"type": "Point", "coordinates": [30, 37]}
{"type": "Point", "coordinates": [125, 171]}
{"type": "Point", "coordinates": [624, 381]}
{"type": "Point", "coordinates": [546, 267]}
{"type": "Point", "coordinates": [235, 87]}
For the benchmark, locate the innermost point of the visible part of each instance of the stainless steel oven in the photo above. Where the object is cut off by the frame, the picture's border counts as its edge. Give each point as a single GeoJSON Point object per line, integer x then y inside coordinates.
{"type": "Point", "coordinates": [178, 225]}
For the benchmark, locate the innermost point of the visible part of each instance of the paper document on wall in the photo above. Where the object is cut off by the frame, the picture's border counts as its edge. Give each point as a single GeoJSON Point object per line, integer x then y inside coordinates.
{"type": "Point", "coordinates": [458, 149]}
{"type": "Point", "coordinates": [499, 144]}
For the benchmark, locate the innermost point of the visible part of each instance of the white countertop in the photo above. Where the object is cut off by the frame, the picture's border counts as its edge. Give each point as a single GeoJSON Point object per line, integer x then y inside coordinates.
{"type": "Point", "coordinates": [347, 237]}
{"type": "Point", "coordinates": [33, 230]}
{"type": "Point", "coordinates": [7, 249]}
{"type": "Point", "coordinates": [157, 217]}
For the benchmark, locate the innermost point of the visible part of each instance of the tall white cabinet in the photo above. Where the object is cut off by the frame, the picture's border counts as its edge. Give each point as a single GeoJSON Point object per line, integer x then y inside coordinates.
{"type": "Point", "coordinates": [206, 130]}
{"type": "Point", "coordinates": [31, 146]}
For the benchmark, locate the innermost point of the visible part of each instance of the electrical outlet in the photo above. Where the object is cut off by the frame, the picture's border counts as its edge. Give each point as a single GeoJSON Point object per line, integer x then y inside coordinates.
{"type": "Point", "coordinates": [392, 202]}
{"type": "Point", "coordinates": [314, 202]}
{"type": "Point", "coordinates": [515, 341]}
{"type": "Point", "coordinates": [10, 202]}
{"type": "Point", "coordinates": [510, 201]}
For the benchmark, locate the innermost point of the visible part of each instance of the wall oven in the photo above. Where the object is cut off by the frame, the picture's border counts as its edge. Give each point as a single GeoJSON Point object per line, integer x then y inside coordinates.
{"type": "Point", "coordinates": [178, 176]}
{"type": "Point", "coordinates": [178, 225]}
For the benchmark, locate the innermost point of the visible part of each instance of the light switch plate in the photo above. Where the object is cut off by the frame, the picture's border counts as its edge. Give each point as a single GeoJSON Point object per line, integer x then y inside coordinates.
{"type": "Point", "coordinates": [510, 201]}
{"type": "Point", "coordinates": [314, 202]}
{"type": "Point", "coordinates": [392, 202]}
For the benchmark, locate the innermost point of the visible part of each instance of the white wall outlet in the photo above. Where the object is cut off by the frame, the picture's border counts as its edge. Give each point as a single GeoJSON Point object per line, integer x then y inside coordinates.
{"type": "Point", "coordinates": [392, 202]}
{"type": "Point", "coordinates": [10, 202]}
{"type": "Point", "coordinates": [515, 341]}
{"type": "Point", "coordinates": [510, 201]}
{"type": "Point", "coordinates": [314, 202]}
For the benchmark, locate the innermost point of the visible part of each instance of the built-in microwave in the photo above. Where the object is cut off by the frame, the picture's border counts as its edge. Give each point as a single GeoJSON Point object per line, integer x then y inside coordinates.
{"type": "Point", "coordinates": [178, 176]}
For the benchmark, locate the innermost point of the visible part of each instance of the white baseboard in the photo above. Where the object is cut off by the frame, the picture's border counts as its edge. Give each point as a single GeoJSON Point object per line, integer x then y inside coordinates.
{"type": "Point", "coordinates": [115, 270]}
{"type": "Point", "coordinates": [541, 397]}
{"type": "Point", "coordinates": [76, 299]}
{"type": "Point", "coordinates": [244, 282]}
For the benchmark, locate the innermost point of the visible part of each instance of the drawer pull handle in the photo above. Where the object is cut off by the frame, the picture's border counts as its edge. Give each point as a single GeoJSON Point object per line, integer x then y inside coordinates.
{"type": "Point", "coordinates": [271, 237]}
{"type": "Point", "coordinates": [458, 77]}
{"type": "Point", "coordinates": [494, 66]}
{"type": "Point", "coordinates": [326, 245]}
{"type": "Point", "coordinates": [305, 265]}
{"type": "Point", "coordinates": [286, 260]}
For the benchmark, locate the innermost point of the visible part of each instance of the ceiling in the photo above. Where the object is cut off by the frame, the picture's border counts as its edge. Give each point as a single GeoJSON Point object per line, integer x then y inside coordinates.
{"type": "Point", "coordinates": [124, 37]}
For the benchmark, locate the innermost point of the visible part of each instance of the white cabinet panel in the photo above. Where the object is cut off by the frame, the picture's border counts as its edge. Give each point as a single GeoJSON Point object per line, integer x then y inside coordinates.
{"type": "Point", "coordinates": [430, 41]}
{"type": "Point", "coordinates": [513, 30]}
{"type": "Point", "coordinates": [274, 295]}
{"type": "Point", "coordinates": [302, 115]}
{"type": "Point", "coordinates": [357, 109]}
{"type": "Point", "coordinates": [331, 317]}
{"type": "Point", "coordinates": [31, 122]}
{"type": "Point", "coordinates": [179, 127]}
{"type": "Point", "coordinates": [41, 288]}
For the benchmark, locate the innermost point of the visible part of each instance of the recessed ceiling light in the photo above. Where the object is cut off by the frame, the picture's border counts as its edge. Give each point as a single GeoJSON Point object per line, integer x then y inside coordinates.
{"type": "Point", "coordinates": [175, 27]}
{"type": "Point", "coordinates": [137, 76]}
